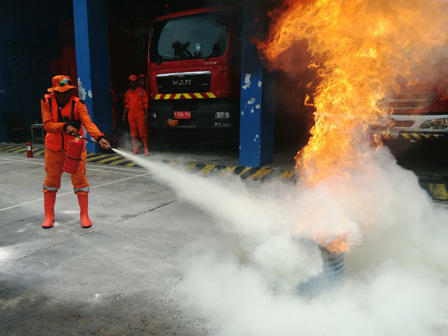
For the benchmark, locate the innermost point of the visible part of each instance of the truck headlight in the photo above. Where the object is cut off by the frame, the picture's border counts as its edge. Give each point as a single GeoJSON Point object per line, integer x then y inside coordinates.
{"type": "Point", "coordinates": [222, 115]}
{"type": "Point", "coordinates": [441, 123]}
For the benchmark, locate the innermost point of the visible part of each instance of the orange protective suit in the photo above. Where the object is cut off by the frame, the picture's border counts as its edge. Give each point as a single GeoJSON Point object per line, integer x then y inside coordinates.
{"type": "Point", "coordinates": [137, 101]}
{"type": "Point", "coordinates": [57, 139]}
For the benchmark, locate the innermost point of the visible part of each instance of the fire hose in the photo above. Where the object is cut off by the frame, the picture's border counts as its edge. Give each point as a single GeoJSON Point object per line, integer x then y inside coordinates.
{"type": "Point", "coordinates": [86, 139]}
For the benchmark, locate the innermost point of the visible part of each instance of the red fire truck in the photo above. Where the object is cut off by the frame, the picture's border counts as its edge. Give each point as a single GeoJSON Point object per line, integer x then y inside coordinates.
{"type": "Point", "coordinates": [194, 72]}
{"type": "Point", "coordinates": [419, 111]}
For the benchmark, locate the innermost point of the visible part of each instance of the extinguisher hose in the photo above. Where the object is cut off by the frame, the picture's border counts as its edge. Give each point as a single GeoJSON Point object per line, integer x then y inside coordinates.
{"type": "Point", "coordinates": [89, 140]}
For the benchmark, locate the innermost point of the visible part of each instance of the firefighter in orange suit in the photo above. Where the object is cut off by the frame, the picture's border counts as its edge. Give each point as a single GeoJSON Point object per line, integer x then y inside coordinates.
{"type": "Point", "coordinates": [141, 81]}
{"type": "Point", "coordinates": [136, 104]}
{"type": "Point", "coordinates": [64, 115]}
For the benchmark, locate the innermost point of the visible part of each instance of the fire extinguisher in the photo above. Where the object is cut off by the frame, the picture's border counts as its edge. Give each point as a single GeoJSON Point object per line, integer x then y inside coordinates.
{"type": "Point", "coordinates": [73, 155]}
{"type": "Point", "coordinates": [29, 150]}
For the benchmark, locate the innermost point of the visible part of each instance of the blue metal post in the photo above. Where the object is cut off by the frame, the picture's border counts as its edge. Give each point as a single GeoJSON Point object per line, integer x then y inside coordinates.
{"type": "Point", "coordinates": [93, 63]}
{"type": "Point", "coordinates": [257, 99]}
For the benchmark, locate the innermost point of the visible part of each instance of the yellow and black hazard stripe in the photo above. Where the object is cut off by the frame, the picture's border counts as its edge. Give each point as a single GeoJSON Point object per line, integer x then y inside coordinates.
{"type": "Point", "coordinates": [20, 149]}
{"type": "Point", "coordinates": [437, 189]}
{"type": "Point", "coordinates": [195, 95]}
{"type": "Point", "coordinates": [245, 173]}
{"type": "Point", "coordinates": [411, 136]}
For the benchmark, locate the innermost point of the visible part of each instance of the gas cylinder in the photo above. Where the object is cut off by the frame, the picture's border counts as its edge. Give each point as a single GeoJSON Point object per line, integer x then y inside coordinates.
{"type": "Point", "coordinates": [29, 150]}
{"type": "Point", "coordinates": [73, 155]}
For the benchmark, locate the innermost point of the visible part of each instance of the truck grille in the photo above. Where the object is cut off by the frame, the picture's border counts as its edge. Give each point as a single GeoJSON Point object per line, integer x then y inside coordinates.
{"type": "Point", "coordinates": [197, 81]}
{"type": "Point", "coordinates": [408, 100]}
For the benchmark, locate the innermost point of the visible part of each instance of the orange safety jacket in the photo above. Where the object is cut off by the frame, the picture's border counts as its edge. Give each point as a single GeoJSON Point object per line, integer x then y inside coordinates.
{"type": "Point", "coordinates": [55, 118]}
{"type": "Point", "coordinates": [136, 101]}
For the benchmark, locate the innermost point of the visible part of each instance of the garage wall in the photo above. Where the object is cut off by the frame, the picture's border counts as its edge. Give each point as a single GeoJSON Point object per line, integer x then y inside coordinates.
{"type": "Point", "coordinates": [28, 41]}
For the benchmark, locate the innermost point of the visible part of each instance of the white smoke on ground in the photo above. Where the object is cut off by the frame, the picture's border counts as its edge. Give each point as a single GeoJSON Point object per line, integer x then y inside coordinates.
{"type": "Point", "coordinates": [244, 281]}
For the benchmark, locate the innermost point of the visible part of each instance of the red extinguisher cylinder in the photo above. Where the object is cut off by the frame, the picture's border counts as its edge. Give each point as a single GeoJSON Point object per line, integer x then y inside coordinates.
{"type": "Point", "coordinates": [73, 155]}
{"type": "Point", "coordinates": [29, 150]}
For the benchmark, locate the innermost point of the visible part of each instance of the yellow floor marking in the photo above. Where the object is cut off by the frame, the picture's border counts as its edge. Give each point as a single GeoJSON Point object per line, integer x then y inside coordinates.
{"type": "Point", "coordinates": [132, 164]}
{"type": "Point", "coordinates": [438, 191]}
{"type": "Point", "coordinates": [244, 170]}
{"type": "Point", "coordinates": [207, 169]}
{"type": "Point", "coordinates": [19, 150]}
{"type": "Point", "coordinates": [118, 162]}
{"type": "Point", "coordinates": [10, 150]}
{"type": "Point", "coordinates": [227, 171]}
{"type": "Point", "coordinates": [96, 157]}
{"type": "Point", "coordinates": [109, 159]}
{"type": "Point", "coordinates": [287, 174]}
{"type": "Point", "coordinates": [189, 166]}
{"type": "Point", "coordinates": [39, 152]}
{"type": "Point", "coordinates": [260, 173]}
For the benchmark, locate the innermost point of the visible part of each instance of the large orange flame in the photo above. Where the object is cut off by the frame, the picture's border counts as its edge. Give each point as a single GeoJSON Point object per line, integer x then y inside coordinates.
{"type": "Point", "coordinates": [358, 47]}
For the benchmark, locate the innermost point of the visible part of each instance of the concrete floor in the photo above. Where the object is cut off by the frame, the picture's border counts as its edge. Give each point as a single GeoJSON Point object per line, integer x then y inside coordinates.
{"type": "Point", "coordinates": [117, 278]}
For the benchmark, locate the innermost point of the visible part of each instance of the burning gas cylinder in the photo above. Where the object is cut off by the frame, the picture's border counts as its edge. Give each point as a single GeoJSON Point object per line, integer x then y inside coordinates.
{"type": "Point", "coordinates": [331, 275]}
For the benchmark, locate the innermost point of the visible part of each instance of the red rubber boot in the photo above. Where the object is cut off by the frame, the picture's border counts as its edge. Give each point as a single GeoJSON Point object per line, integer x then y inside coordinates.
{"type": "Point", "coordinates": [145, 144]}
{"type": "Point", "coordinates": [83, 201]}
{"type": "Point", "coordinates": [49, 201]}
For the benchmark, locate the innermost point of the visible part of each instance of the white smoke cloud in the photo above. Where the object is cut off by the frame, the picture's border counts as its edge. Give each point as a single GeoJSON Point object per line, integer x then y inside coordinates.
{"type": "Point", "coordinates": [245, 280]}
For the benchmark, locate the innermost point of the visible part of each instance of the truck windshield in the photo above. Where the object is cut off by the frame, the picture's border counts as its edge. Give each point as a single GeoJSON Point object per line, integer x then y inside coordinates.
{"type": "Point", "coordinates": [194, 36]}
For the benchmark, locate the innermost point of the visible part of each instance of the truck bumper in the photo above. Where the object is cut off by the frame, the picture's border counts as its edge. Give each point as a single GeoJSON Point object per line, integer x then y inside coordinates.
{"type": "Point", "coordinates": [203, 115]}
{"type": "Point", "coordinates": [410, 136]}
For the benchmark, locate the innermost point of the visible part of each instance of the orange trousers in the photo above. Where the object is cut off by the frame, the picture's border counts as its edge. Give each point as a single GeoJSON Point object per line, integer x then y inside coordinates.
{"type": "Point", "coordinates": [54, 161]}
{"type": "Point", "coordinates": [137, 125]}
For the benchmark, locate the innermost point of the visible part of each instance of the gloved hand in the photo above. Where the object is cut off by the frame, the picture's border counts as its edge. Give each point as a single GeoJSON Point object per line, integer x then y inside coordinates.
{"type": "Point", "coordinates": [70, 130]}
{"type": "Point", "coordinates": [104, 144]}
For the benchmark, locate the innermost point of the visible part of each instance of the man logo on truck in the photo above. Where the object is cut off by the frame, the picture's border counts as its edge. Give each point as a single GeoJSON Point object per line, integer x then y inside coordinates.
{"type": "Point", "coordinates": [181, 82]}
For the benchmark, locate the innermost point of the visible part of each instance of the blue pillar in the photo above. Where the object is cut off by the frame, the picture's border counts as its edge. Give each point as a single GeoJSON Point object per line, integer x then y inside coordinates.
{"type": "Point", "coordinates": [93, 63]}
{"type": "Point", "coordinates": [257, 98]}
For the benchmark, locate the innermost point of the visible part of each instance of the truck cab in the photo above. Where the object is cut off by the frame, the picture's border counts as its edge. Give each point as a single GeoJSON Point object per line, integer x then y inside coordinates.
{"type": "Point", "coordinates": [194, 72]}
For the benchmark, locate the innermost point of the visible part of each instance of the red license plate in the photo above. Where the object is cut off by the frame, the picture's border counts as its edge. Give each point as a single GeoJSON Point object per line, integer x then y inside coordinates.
{"type": "Point", "coordinates": [182, 114]}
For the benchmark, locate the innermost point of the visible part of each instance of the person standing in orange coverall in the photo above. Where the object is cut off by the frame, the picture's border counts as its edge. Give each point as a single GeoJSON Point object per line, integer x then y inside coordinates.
{"type": "Point", "coordinates": [142, 81]}
{"type": "Point", "coordinates": [64, 115]}
{"type": "Point", "coordinates": [136, 103]}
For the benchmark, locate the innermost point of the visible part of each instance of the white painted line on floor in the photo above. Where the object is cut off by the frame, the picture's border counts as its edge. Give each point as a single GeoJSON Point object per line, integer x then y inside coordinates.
{"type": "Point", "coordinates": [9, 161]}
{"type": "Point", "coordinates": [117, 170]}
{"type": "Point", "coordinates": [71, 192]}
{"type": "Point", "coordinates": [10, 157]}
